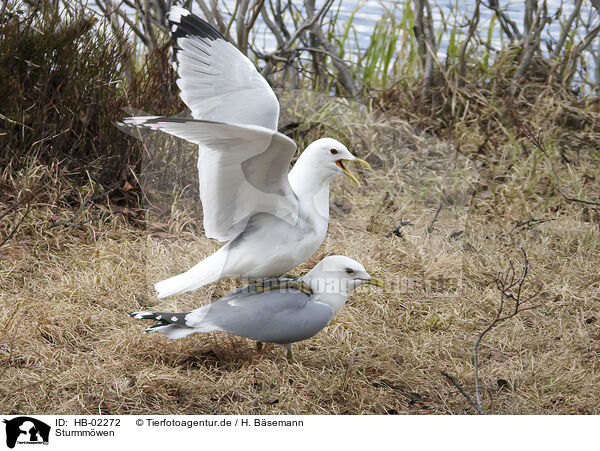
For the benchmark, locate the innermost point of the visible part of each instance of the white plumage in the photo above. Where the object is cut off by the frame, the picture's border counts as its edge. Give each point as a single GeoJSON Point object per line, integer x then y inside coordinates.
{"type": "Point", "coordinates": [272, 220]}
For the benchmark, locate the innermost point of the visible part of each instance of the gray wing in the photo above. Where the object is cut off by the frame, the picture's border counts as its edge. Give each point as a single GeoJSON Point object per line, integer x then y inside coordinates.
{"type": "Point", "coordinates": [217, 81]}
{"type": "Point", "coordinates": [279, 316]}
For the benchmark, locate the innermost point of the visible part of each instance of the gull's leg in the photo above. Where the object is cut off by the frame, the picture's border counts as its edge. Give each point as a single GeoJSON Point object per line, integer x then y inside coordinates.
{"type": "Point", "coordinates": [288, 348]}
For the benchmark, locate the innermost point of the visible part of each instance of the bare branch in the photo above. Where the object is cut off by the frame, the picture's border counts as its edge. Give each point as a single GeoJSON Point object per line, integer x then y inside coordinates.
{"type": "Point", "coordinates": [508, 26]}
{"type": "Point", "coordinates": [319, 40]}
{"type": "Point", "coordinates": [309, 23]}
{"type": "Point", "coordinates": [529, 224]}
{"type": "Point", "coordinates": [577, 51]}
{"type": "Point", "coordinates": [566, 29]}
{"type": "Point", "coordinates": [161, 11]}
{"type": "Point", "coordinates": [242, 37]}
{"type": "Point", "coordinates": [437, 212]}
{"type": "Point", "coordinates": [423, 31]}
{"type": "Point", "coordinates": [532, 41]}
{"type": "Point", "coordinates": [81, 207]}
{"type": "Point", "coordinates": [216, 13]}
{"type": "Point", "coordinates": [574, 199]}
{"type": "Point", "coordinates": [147, 18]}
{"type": "Point", "coordinates": [463, 392]}
{"type": "Point", "coordinates": [116, 26]}
{"type": "Point", "coordinates": [531, 7]}
{"type": "Point", "coordinates": [463, 50]}
{"type": "Point", "coordinates": [510, 288]}
{"type": "Point", "coordinates": [536, 140]}
{"type": "Point", "coordinates": [276, 30]}
{"type": "Point", "coordinates": [208, 14]}
{"type": "Point", "coordinates": [256, 9]}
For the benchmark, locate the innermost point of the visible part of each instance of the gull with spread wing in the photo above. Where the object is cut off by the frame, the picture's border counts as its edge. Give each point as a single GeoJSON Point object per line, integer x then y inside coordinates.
{"type": "Point", "coordinates": [271, 220]}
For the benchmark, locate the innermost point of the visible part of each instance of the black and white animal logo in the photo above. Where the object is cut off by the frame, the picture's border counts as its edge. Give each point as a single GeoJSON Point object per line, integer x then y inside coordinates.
{"type": "Point", "coordinates": [26, 430]}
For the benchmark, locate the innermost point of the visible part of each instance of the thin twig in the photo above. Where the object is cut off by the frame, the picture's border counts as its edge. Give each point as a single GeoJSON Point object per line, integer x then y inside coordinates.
{"type": "Point", "coordinates": [510, 287]}
{"type": "Point", "coordinates": [577, 51]}
{"type": "Point", "coordinates": [530, 223]}
{"type": "Point", "coordinates": [81, 207]}
{"type": "Point", "coordinates": [536, 140]}
{"type": "Point", "coordinates": [437, 212]}
{"type": "Point", "coordinates": [505, 22]}
{"type": "Point", "coordinates": [20, 201]}
{"type": "Point", "coordinates": [566, 29]}
{"type": "Point", "coordinates": [397, 231]}
{"type": "Point", "coordinates": [573, 199]}
{"type": "Point", "coordinates": [14, 230]}
{"type": "Point", "coordinates": [463, 392]}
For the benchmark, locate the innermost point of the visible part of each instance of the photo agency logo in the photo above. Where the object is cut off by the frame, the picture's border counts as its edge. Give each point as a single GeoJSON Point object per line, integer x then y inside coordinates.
{"type": "Point", "coordinates": [26, 431]}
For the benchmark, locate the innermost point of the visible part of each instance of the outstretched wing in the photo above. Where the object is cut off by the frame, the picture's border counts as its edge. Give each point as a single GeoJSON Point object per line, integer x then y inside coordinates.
{"type": "Point", "coordinates": [243, 170]}
{"type": "Point", "coordinates": [217, 81]}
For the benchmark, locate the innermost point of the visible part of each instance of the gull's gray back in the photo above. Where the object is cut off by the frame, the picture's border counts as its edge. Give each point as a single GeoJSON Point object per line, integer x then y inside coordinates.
{"type": "Point", "coordinates": [278, 316]}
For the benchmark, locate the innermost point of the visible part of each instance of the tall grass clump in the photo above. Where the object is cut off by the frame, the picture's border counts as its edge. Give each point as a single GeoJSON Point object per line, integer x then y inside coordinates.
{"type": "Point", "coordinates": [65, 81]}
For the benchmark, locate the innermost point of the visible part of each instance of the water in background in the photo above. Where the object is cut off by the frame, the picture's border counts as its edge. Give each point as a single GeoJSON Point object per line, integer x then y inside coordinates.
{"type": "Point", "coordinates": [445, 12]}
{"type": "Point", "coordinates": [449, 12]}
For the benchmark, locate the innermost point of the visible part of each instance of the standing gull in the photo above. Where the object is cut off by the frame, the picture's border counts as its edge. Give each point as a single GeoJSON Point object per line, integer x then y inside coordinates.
{"type": "Point", "coordinates": [271, 220]}
{"type": "Point", "coordinates": [282, 316]}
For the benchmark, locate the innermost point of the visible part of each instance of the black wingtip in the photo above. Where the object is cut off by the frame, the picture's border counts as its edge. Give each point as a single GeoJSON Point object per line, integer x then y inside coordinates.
{"type": "Point", "coordinates": [142, 315]}
{"type": "Point", "coordinates": [192, 25]}
{"type": "Point", "coordinates": [157, 326]}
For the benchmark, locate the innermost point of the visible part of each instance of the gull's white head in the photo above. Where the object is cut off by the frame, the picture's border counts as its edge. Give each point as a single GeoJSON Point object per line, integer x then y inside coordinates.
{"type": "Point", "coordinates": [327, 157]}
{"type": "Point", "coordinates": [338, 275]}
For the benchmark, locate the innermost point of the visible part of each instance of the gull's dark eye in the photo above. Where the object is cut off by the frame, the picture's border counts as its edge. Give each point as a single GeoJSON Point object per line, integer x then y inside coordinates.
{"type": "Point", "coordinates": [349, 270]}
{"type": "Point", "coordinates": [333, 151]}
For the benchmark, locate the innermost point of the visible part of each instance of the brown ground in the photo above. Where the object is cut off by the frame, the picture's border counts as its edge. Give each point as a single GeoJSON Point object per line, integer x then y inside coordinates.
{"type": "Point", "coordinates": [67, 346]}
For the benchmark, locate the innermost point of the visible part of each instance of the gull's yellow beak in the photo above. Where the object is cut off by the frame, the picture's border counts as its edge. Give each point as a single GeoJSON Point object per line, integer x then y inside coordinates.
{"type": "Point", "coordinates": [340, 164]}
{"type": "Point", "coordinates": [376, 282]}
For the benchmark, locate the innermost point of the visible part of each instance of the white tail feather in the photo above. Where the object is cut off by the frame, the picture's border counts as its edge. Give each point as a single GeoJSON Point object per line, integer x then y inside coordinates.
{"type": "Point", "coordinates": [207, 271]}
{"type": "Point", "coordinates": [172, 332]}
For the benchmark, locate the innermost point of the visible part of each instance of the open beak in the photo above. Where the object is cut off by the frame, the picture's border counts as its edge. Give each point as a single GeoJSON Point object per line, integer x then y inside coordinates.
{"type": "Point", "coordinates": [340, 164]}
{"type": "Point", "coordinates": [375, 282]}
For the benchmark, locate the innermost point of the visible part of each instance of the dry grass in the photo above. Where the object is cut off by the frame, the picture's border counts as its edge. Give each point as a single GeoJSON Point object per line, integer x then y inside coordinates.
{"type": "Point", "coordinates": [67, 346]}
{"type": "Point", "coordinates": [67, 79]}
